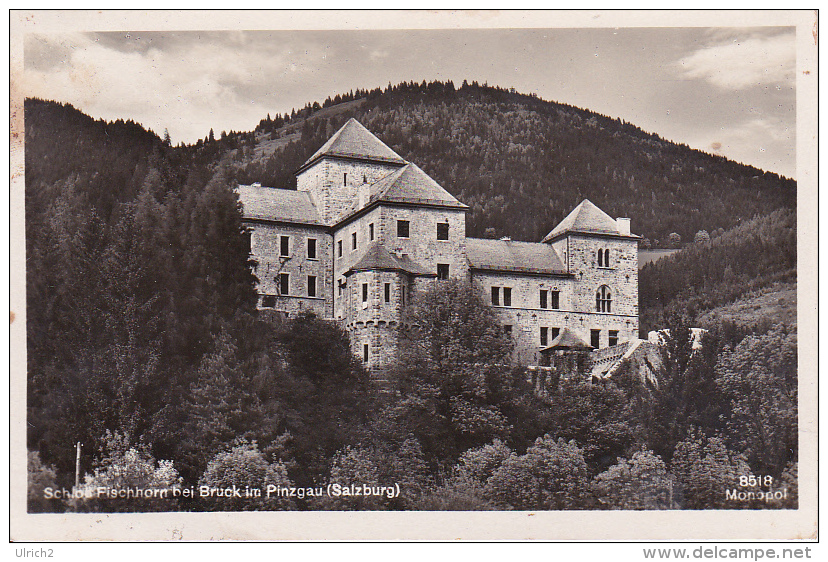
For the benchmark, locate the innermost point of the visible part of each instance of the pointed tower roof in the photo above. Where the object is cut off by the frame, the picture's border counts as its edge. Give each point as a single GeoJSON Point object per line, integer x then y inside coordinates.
{"type": "Point", "coordinates": [587, 218]}
{"type": "Point", "coordinates": [410, 184]}
{"type": "Point", "coordinates": [567, 339]}
{"type": "Point", "coordinates": [378, 258]}
{"type": "Point", "coordinates": [353, 140]}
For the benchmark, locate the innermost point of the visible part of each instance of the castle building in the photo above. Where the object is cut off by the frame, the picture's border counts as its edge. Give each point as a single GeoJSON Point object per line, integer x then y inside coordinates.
{"type": "Point", "coordinates": [365, 230]}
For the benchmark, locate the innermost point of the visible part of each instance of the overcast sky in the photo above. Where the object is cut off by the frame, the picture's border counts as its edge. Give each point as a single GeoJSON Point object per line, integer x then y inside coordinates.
{"type": "Point", "coordinates": [729, 91]}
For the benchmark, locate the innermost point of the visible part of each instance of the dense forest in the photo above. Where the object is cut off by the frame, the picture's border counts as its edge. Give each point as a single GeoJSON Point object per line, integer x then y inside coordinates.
{"type": "Point", "coordinates": [144, 344]}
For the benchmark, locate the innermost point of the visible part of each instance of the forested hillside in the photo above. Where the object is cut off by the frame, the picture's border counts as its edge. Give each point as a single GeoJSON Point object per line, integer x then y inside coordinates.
{"type": "Point", "coordinates": [757, 255]}
{"type": "Point", "coordinates": [522, 163]}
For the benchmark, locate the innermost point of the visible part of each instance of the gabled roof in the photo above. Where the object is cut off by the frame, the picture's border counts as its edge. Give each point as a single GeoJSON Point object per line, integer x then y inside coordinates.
{"type": "Point", "coordinates": [355, 141]}
{"type": "Point", "coordinates": [587, 217]}
{"type": "Point", "coordinates": [567, 339]}
{"type": "Point", "coordinates": [410, 184]}
{"type": "Point", "coordinates": [506, 255]}
{"type": "Point", "coordinates": [378, 258]}
{"type": "Point", "coordinates": [278, 205]}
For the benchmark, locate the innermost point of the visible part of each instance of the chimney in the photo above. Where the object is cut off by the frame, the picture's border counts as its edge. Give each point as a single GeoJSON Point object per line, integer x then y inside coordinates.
{"type": "Point", "coordinates": [623, 226]}
{"type": "Point", "coordinates": [364, 194]}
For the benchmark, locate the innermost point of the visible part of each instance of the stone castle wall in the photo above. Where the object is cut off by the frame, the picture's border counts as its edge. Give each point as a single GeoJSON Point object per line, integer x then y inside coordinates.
{"type": "Point", "coordinates": [334, 184]}
{"type": "Point", "coordinates": [265, 246]}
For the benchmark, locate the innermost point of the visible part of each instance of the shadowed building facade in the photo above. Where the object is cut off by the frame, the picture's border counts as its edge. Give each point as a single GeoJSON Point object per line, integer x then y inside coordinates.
{"type": "Point", "coordinates": [365, 230]}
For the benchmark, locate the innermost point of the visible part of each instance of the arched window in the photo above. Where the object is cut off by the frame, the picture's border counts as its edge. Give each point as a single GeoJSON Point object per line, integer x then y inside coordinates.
{"type": "Point", "coordinates": [600, 258]}
{"type": "Point", "coordinates": [603, 299]}
{"type": "Point", "coordinates": [606, 258]}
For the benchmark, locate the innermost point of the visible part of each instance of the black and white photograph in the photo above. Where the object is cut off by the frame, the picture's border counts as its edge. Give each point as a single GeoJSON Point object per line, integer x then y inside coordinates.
{"type": "Point", "coordinates": [416, 275]}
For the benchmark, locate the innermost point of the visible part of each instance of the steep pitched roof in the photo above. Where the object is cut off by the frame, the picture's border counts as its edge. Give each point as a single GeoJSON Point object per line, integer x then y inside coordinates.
{"type": "Point", "coordinates": [506, 255]}
{"type": "Point", "coordinates": [586, 217]}
{"type": "Point", "coordinates": [278, 205]}
{"type": "Point", "coordinates": [355, 141]}
{"type": "Point", "coordinates": [410, 184]}
{"type": "Point", "coordinates": [377, 257]}
{"type": "Point", "coordinates": [567, 339]}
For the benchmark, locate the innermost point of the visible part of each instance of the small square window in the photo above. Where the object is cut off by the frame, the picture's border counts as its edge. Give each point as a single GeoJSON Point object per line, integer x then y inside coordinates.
{"type": "Point", "coordinates": [555, 333]}
{"type": "Point", "coordinates": [496, 296]}
{"type": "Point", "coordinates": [284, 283]}
{"type": "Point", "coordinates": [311, 248]}
{"type": "Point", "coordinates": [442, 231]}
{"type": "Point", "coordinates": [311, 285]}
{"type": "Point", "coordinates": [268, 301]}
{"type": "Point", "coordinates": [442, 271]}
{"type": "Point", "coordinates": [507, 296]}
{"type": "Point", "coordinates": [402, 229]}
{"type": "Point", "coordinates": [613, 337]}
{"type": "Point", "coordinates": [284, 245]}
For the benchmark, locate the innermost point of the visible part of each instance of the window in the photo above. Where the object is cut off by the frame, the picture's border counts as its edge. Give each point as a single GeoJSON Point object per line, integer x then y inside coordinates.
{"type": "Point", "coordinates": [364, 178]}
{"type": "Point", "coordinates": [544, 336]}
{"type": "Point", "coordinates": [507, 331]}
{"type": "Point", "coordinates": [613, 337]}
{"type": "Point", "coordinates": [556, 300]}
{"type": "Point", "coordinates": [339, 248]}
{"type": "Point", "coordinates": [603, 299]}
{"type": "Point", "coordinates": [311, 248]}
{"type": "Point", "coordinates": [353, 241]}
{"type": "Point", "coordinates": [604, 257]}
{"type": "Point", "coordinates": [284, 245]}
{"type": "Point", "coordinates": [388, 292]}
{"type": "Point", "coordinates": [496, 296]}
{"type": "Point", "coordinates": [543, 302]}
{"type": "Point", "coordinates": [402, 229]}
{"type": "Point", "coordinates": [365, 292]}
{"type": "Point", "coordinates": [555, 332]}
{"type": "Point", "coordinates": [268, 301]}
{"type": "Point", "coordinates": [344, 179]}
{"type": "Point", "coordinates": [311, 285]}
{"type": "Point", "coordinates": [402, 295]}
{"type": "Point", "coordinates": [442, 231]}
{"type": "Point", "coordinates": [507, 296]}
{"type": "Point", "coordinates": [284, 283]}
{"type": "Point", "coordinates": [595, 339]}
{"type": "Point", "coordinates": [442, 271]}
{"type": "Point", "coordinates": [340, 285]}
{"type": "Point", "coordinates": [365, 353]}
{"type": "Point", "coordinates": [600, 258]}
{"type": "Point", "coordinates": [371, 232]}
